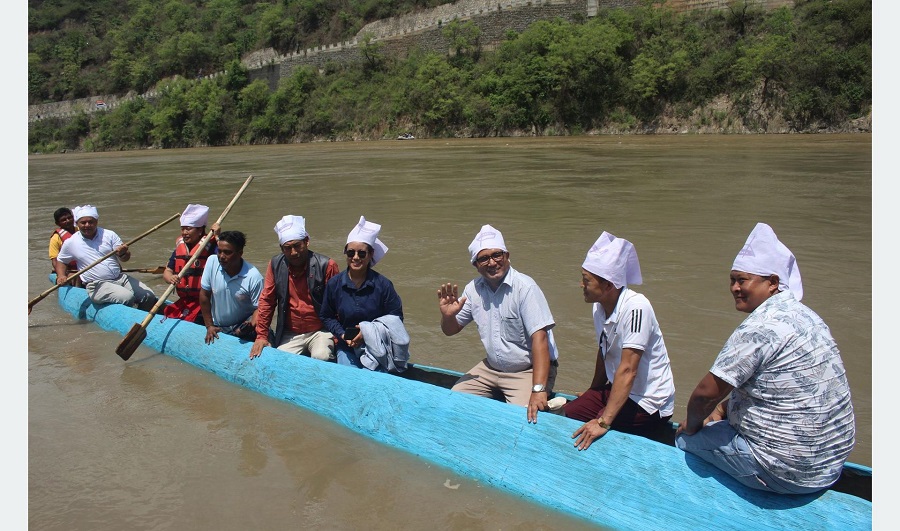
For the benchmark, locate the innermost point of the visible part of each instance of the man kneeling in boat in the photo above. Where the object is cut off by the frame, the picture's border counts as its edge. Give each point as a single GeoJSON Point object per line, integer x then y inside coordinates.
{"type": "Point", "coordinates": [230, 289]}
{"type": "Point", "coordinates": [514, 322]}
{"type": "Point", "coordinates": [193, 230]}
{"type": "Point", "coordinates": [788, 424]}
{"type": "Point", "coordinates": [105, 282]}
{"type": "Point", "coordinates": [633, 390]}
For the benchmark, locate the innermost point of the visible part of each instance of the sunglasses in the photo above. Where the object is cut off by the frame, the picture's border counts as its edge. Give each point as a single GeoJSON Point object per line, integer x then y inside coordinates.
{"type": "Point", "coordinates": [496, 257]}
{"type": "Point", "coordinates": [351, 252]}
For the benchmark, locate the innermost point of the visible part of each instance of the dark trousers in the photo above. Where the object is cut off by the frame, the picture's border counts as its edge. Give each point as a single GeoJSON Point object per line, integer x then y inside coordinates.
{"type": "Point", "coordinates": [631, 418]}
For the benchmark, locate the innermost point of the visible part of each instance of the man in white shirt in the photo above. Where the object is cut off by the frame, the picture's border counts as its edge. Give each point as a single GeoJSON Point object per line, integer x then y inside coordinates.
{"type": "Point", "coordinates": [105, 282]}
{"type": "Point", "coordinates": [633, 390]}
{"type": "Point", "coordinates": [514, 322]}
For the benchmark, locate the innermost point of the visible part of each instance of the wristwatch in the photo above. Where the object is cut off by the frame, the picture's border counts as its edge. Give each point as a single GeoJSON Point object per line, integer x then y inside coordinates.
{"type": "Point", "coordinates": [603, 424]}
{"type": "Point", "coordinates": [539, 388]}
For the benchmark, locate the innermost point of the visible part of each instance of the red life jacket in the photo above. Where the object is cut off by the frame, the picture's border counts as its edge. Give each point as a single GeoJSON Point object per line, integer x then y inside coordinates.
{"type": "Point", "coordinates": [187, 306]}
{"type": "Point", "coordinates": [63, 236]}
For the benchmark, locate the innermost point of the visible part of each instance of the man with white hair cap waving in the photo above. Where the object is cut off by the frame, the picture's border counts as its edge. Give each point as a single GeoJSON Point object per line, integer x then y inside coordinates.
{"type": "Point", "coordinates": [633, 390]}
{"type": "Point", "coordinates": [514, 322]}
{"type": "Point", "coordinates": [787, 424]}
{"type": "Point", "coordinates": [105, 282]}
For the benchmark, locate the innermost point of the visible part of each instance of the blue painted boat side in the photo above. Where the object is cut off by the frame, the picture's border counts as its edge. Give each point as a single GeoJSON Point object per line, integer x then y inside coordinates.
{"type": "Point", "coordinates": [621, 482]}
{"type": "Point", "coordinates": [855, 468]}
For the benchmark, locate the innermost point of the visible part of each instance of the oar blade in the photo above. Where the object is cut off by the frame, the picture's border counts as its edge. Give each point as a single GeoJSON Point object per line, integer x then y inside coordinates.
{"type": "Point", "coordinates": [131, 342]}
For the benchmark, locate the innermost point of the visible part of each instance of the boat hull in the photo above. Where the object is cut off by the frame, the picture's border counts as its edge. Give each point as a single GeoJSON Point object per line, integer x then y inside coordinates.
{"type": "Point", "coordinates": [621, 482]}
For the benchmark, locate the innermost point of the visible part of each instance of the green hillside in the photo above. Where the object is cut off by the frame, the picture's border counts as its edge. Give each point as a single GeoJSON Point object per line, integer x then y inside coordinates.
{"type": "Point", "coordinates": [78, 48]}
{"type": "Point", "coordinates": [801, 69]}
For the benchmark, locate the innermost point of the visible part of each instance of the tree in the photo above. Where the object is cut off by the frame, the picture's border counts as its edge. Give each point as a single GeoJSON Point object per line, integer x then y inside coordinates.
{"type": "Point", "coordinates": [464, 39]}
{"type": "Point", "coordinates": [372, 53]}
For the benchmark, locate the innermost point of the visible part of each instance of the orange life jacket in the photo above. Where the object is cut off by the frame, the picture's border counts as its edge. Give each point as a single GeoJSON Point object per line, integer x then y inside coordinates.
{"type": "Point", "coordinates": [63, 236]}
{"type": "Point", "coordinates": [187, 306]}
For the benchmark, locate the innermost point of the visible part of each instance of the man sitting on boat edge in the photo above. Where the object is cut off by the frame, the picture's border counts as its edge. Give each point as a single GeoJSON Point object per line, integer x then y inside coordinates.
{"type": "Point", "coordinates": [105, 282]}
{"type": "Point", "coordinates": [521, 362]}
{"type": "Point", "coordinates": [633, 390]}
{"type": "Point", "coordinates": [787, 425]}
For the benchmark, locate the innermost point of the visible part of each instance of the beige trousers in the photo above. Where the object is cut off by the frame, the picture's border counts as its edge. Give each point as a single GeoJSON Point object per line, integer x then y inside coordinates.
{"type": "Point", "coordinates": [317, 345]}
{"type": "Point", "coordinates": [514, 387]}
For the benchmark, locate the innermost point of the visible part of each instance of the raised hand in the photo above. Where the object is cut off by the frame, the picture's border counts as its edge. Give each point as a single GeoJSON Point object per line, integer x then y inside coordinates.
{"type": "Point", "coordinates": [449, 301]}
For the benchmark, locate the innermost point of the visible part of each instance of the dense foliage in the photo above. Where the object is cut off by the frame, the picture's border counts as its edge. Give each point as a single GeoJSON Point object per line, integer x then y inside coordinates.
{"type": "Point", "coordinates": [812, 63]}
{"type": "Point", "coordinates": [78, 48]}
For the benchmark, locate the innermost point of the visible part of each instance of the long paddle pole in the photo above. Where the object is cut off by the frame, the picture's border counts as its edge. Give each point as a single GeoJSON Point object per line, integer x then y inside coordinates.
{"type": "Point", "coordinates": [43, 295]}
{"type": "Point", "coordinates": [158, 270]}
{"type": "Point", "coordinates": [138, 332]}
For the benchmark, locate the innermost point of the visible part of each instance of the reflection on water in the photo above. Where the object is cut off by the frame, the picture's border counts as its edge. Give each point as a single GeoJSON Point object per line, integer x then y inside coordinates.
{"type": "Point", "coordinates": [201, 452]}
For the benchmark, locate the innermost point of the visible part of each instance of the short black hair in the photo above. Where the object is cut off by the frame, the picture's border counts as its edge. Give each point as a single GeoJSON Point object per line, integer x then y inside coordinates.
{"type": "Point", "coordinates": [60, 212]}
{"type": "Point", "coordinates": [234, 237]}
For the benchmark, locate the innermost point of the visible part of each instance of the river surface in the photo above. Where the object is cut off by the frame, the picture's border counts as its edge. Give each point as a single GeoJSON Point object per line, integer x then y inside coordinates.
{"type": "Point", "coordinates": [155, 443]}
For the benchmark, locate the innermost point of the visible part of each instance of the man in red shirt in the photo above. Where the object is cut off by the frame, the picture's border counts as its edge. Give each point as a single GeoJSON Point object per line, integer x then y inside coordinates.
{"type": "Point", "coordinates": [293, 288]}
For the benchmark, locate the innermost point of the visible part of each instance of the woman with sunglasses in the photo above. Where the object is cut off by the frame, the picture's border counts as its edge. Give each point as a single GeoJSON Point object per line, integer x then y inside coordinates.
{"type": "Point", "coordinates": [359, 294]}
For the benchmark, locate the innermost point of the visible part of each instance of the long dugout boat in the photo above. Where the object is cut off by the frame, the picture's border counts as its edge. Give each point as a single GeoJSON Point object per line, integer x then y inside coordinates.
{"type": "Point", "coordinates": [621, 482]}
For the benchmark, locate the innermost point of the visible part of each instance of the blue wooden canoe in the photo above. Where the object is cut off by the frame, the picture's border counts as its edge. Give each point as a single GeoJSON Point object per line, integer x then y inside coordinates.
{"type": "Point", "coordinates": [621, 482]}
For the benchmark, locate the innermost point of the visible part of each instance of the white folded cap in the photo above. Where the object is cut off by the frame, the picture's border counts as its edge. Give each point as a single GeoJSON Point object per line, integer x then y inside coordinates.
{"type": "Point", "coordinates": [194, 216]}
{"type": "Point", "coordinates": [85, 211]}
{"type": "Point", "coordinates": [615, 260]}
{"type": "Point", "coordinates": [367, 232]}
{"type": "Point", "coordinates": [764, 254]}
{"type": "Point", "coordinates": [290, 228]}
{"type": "Point", "coordinates": [487, 238]}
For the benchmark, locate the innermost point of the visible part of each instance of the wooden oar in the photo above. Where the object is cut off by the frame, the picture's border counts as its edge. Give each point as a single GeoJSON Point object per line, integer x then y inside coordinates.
{"type": "Point", "coordinates": [158, 270]}
{"type": "Point", "coordinates": [41, 297]}
{"type": "Point", "coordinates": [138, 332]}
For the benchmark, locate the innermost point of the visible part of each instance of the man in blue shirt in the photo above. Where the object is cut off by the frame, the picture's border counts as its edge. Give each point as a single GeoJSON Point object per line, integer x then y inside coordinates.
{"type": "Point", "coordinates": [229, 290]}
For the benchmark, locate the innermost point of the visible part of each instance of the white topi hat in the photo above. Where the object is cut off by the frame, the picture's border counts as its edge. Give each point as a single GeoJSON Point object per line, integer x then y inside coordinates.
{"type": "Point", "coordinates": [367, 232]}
{"type": "Point", "coordinates": [85, 211]}
{"type": "Point", "coordinates": [194, 216]}
{"type": "Point", "coordinates": [487, 238]}
{"type": "Point", "coordinates": [290, 228]}
{"type": "Point", "coordinates": [763, 254]}
{"type": "Point", "coordinates": [614, 259]}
